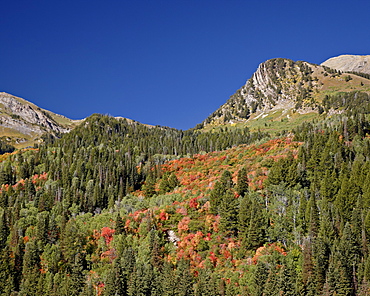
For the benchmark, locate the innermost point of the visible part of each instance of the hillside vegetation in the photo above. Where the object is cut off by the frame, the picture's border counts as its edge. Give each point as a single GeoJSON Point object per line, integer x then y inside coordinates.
{"type": "Point", "coordinates": [272, 201]}
{"type": "Point", "coordinates": [104, 211]}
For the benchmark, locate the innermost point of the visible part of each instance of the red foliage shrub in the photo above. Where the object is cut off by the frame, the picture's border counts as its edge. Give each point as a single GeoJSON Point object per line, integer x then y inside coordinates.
{"type": "Point", "coordinates": [193, 203]}
{"type": "Point", "coordinates": [163, 216]}
{"type": "Point", "coordinates": [107, 233]}
{"type": "Point", "coordinates": [213, 258]}
{"type": "Point", "coordinates": [267, 250]}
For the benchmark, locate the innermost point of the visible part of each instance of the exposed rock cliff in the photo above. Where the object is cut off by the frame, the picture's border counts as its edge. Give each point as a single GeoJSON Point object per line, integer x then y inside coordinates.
{"type": "Point", "coordinates": [282, 84]}
{"type": "Point", "coordinates": [22, 122]}
{"type": "Point", "coordinates": [277, 84]}
{"type": "Point", "coordinates": [349, 63]}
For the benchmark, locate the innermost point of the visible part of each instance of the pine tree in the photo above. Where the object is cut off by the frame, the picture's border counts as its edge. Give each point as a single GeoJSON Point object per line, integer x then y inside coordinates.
{"type": "Point", "coordinates": [173, 182]}
{"type": "Point", "coordinates": [271, 284]}
{"type": "Point", "coordinates": [219, 191]}
{"type": "Point", "coordinates": [257, 227]}
{"type": "Point", "coordinates": [244, 218]}
{"type": "Point", "coordinates": [184, 279]}
{"type": "Point", "coordinates": [313, 214]}
{"type": "Point", "coordinates": [164, 186]}
{"type": "Point", "coordinates": [326, 229]}
{"type": "Point", "coordinates": [229, 213]}
{"type": "Point", "coordinates": [286, 281]}
{"type": "Point", "coordinates": [4, 229]}
{"type": "Point", "coordinates": [259, 278]}
{"type": "Point", "coordinates": [42, 227]}
{"type": "Point", "coordinates": [109, 283]}
{"type": "Point", "coordinates": [242, 186]}
{"type": "Point", "coordinates": [205, 285]}
{"type": "Point", "coordinates": [321, 253]}
{"type": "Point", "coordinates": [308, 267]}
{"type": "Point", "coordinates": [149, 186]}
{"type": "Point", "coordinates": [6, 273]}
{"type": "Point", "coordinates": [168, 280]}
{"type": "Point", "coordinates": [119, 229]}
{"type": "Point", "coordinates": [31, 267]}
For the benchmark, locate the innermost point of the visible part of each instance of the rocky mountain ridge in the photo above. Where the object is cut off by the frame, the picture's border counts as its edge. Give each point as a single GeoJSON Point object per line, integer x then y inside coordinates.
{"type": "Point", "coordinates": [22, 123]}
{"type": "Point", "coordinates": [282, 84]}
{"type": "Point", "coordinates": [279, 86]}
{"type": "Point", "coordinates": [349, 63]}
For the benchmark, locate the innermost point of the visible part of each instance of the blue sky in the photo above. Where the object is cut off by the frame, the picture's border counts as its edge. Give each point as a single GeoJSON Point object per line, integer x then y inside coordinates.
{"type": "Point", "coordinates": [168, 63]}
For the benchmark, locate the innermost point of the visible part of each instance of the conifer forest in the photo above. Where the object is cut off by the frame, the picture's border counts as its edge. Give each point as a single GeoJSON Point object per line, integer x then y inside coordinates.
{"type": "Point", "coordinates": [115, 207]}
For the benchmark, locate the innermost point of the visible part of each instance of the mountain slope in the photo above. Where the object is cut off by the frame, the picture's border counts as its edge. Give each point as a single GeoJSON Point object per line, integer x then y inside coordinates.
{"type": "Point", "coordinates": [250, 220]}
{"type": "Point", "coordinates": [99, 211]}
{"type": "Point", "coordinates": [22, 123]}
{"type": "Point", "coordinates": [286, 86]}
{"type": "Point", "coordinates": [349, 63]}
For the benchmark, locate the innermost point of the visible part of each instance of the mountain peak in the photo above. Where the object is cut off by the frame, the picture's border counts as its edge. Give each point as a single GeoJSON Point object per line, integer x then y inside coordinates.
{"type": "Point", "coordinates": [349, 63]}
{"type": "Point", "coordinates": [277, 84]}
{"type": "Point", "coordinates": [22, 122]}
{"type": "Point", "coordinates": [290, 87]}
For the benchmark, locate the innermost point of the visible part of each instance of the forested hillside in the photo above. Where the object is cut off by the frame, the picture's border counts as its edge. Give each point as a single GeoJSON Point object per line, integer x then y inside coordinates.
{"type": "Point", "coordinates": [89, 173]}
{"type": "Point", "coordinates": [119, 208]}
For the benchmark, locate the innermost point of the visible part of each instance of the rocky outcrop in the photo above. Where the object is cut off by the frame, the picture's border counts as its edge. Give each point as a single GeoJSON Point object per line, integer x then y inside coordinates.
{"type": "Point", "coordinates": [19, 114]}
{"type": "Point", "coordinates": [349, 63]}
{"type": "Point", "coordinates": [277, 84]}
{"type": "Point", "coordinates": [291, 87]}
{"type": "Point", "coordinates": [25, 121]}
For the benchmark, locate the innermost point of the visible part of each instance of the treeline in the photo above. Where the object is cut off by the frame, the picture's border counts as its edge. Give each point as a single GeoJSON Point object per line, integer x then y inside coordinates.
{"type": "Point", "coordinates": [365, 75]}
{"type": "Point", "coordinates": [353, 103]}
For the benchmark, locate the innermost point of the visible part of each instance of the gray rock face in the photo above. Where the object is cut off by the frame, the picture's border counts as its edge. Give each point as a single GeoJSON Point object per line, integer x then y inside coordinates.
{"type": "Point", "coordinates": [352, 63]}
{"type": "Point", "coordinates": [270, 85]}
{"type": "Point", "coordinates": [276, 84]}
{"type": "Point", "coordinates": [26, 118]}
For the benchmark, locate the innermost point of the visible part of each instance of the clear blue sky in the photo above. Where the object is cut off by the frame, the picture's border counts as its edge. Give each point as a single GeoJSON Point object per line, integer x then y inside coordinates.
{"type": "Point", "coordinates": [159, 62]}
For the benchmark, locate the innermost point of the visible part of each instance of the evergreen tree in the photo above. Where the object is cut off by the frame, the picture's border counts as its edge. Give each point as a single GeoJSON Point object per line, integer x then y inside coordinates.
{"type": "Point", "coordinates": [259, 278]}
{"type": "Point", "coordinates": [229, 213]}
{"type": "Point", "coordinates": [31, 269]}
{"type": "Point", "coordinates": [173, 182]}
{"type": "Point", "coordinates": [184, 279]}
{"type": "Point", "coordinates": [242, 186]}
{"type": "Point", "coordinates": [168, 280]}
{"type": "Point", "coordinates": [6, 273]}
{"type": "Point", "coordinates": [205, 285]}
{"type": "Point", "coordinates": [244, 217]}
{"type": "Point", "coordinates": [321, 253]}
{"type": "Point", "coordinates": [221, 188]}
{"type": "Point", "coordinates": [313, 214]}
{"type": "Point", "coordinates": [149, 186]}
{"type": "Point", "coordinates": [257, 227]}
